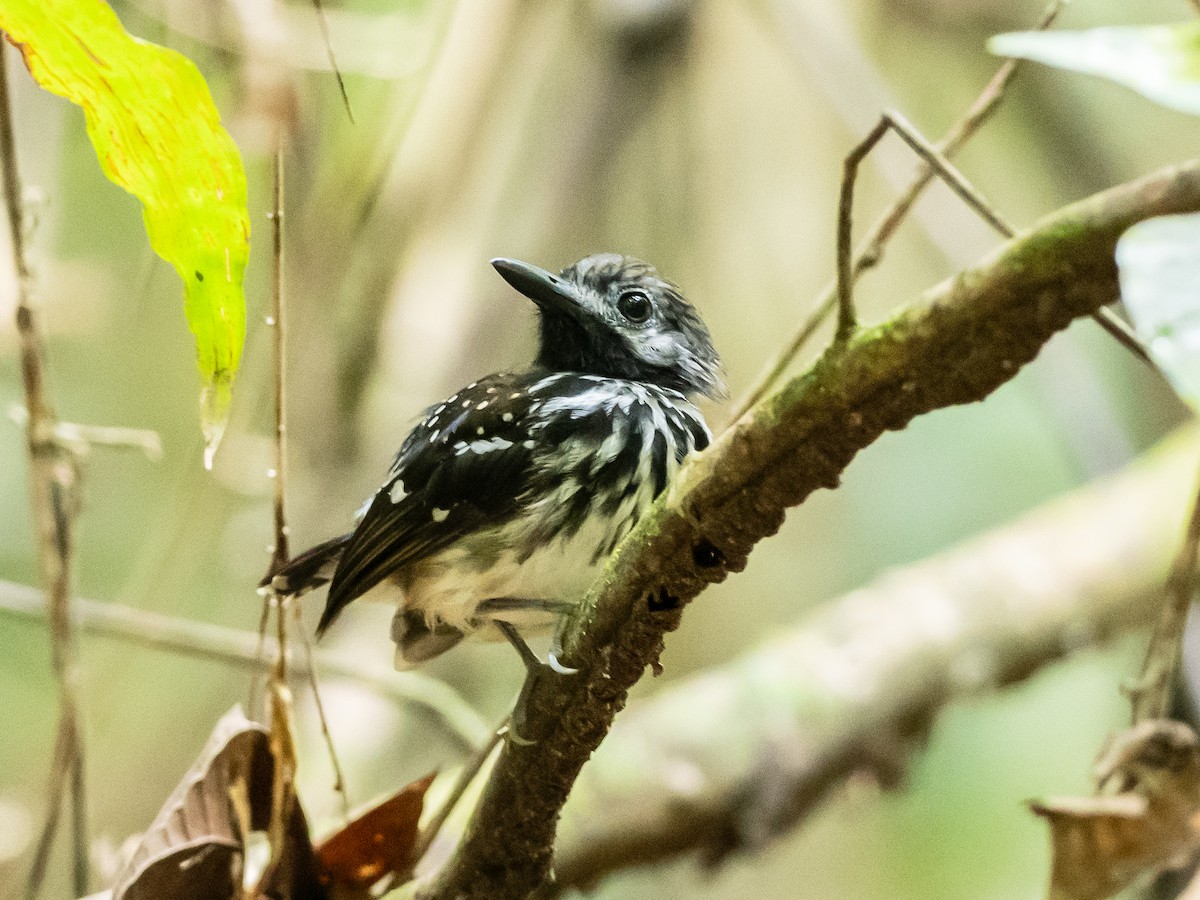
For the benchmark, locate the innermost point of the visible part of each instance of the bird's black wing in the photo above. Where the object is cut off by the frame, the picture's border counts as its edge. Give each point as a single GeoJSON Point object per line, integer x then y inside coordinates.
{"type": "Point", "coordinates": [463, 468]}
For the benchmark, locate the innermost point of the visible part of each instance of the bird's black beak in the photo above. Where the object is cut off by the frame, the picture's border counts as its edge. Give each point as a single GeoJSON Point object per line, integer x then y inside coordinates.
{"type": "Point", "coordinates": [547, 290]}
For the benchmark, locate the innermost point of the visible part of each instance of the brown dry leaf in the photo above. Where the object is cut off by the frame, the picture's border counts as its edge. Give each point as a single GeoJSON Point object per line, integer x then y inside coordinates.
{"type": "Point", "coordinates": [378, 842]}
{"type": "Point", "coordinates": [194, 846]}
{"type": "Point", "coordinates": [1103, 844]}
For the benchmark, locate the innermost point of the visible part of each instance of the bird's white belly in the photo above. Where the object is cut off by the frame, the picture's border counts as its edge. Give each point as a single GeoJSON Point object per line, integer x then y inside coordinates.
{"type": "Point", "coordinates": [449, 586]}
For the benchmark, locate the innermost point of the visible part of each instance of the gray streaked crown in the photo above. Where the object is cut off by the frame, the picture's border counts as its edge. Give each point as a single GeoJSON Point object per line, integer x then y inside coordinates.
{"type": "Point", "coordinates": [615, 316]}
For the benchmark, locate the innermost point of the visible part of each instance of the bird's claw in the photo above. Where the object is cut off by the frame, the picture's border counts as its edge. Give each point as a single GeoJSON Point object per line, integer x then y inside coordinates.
{"type": "Point", "coordinates": [553, 663]}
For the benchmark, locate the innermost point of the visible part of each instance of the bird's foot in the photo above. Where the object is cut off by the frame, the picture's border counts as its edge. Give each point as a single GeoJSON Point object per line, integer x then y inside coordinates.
{"type": "Point", "coordinates": [535, 669]}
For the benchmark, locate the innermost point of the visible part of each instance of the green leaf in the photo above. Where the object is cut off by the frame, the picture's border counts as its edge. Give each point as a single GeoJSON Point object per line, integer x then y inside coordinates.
{"type": "Point", "coordinates": [157, 134]}
{"type": "Point", "coordinates": [1159, 262]}
{"type": "Point", "coordinates": [1161, 62]}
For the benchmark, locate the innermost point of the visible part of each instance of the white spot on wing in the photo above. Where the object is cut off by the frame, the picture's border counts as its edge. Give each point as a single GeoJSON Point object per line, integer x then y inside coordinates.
{"type": "Point", "coordinates": [439, 515]}
{"type": "Point", "coordinates": [398, 493]}
{"type": "Point", "coordinates": [507, 417]}
{"type": "Point", "coordinates": [482, 404]}
{"type": "Point", "coordinates": [496, 443]}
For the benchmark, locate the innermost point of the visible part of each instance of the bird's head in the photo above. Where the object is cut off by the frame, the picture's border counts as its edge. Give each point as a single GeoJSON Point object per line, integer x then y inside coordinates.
{"type": "Point", "coordinates": [613, 315]}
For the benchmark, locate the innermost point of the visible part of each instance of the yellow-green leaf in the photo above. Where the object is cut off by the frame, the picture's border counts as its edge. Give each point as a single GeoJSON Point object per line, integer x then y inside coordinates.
{"type": "Point", "coordinates": [157, 134]}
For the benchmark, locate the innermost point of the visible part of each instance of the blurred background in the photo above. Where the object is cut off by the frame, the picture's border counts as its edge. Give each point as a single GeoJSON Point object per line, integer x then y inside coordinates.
{"type": "Point", "coordinates": [703, 135]}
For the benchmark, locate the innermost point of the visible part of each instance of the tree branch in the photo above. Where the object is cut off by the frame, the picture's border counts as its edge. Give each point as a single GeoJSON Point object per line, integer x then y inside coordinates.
{"type": "Point", "coordinates": [858, 683]}
{"type": "Point", "coordinates": [957, 344]}
{"type": "Point", "coordinates": [234, 647]}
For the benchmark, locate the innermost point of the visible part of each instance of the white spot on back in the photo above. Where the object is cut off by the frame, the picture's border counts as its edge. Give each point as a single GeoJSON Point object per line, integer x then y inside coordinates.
{"type": "Point", "coordinates": [479, 430]}
{"type": "Point", "coordinates": [507, 417]}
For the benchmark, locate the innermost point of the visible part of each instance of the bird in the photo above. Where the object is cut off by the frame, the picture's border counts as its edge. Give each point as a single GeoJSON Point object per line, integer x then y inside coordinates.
{"type": "Point", "coordinates": [505, 501]}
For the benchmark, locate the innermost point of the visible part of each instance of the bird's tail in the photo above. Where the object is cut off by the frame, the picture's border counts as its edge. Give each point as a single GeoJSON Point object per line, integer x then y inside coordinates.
{"type": "Point", "coordinates": [308, 571]}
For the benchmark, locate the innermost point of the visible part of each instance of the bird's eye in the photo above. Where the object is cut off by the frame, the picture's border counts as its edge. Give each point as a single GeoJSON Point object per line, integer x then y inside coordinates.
{"type": "Point", "coordinates": [635, 306]}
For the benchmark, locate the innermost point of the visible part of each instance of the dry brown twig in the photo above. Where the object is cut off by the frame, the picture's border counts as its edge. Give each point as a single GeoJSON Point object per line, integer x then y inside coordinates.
{"type": "Point", "coordinates": [1150, 695]}
{"type": "Point", "coordinates": [280, 698]}
{"type": "Point", "coordinates": [53, 485]}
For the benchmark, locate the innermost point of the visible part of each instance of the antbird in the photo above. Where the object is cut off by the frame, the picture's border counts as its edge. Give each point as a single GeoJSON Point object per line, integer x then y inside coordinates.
{"type": "Point", "coordinates": [504, 503]}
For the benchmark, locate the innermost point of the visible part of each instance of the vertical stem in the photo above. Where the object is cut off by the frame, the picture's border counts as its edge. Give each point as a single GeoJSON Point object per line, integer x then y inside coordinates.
{"type": "Point", "coordinates": [1151, 696]}
{"type": "Point", "coordinates": [52, 495]}
{"type": "Point", "coordinates": [280, 556]}
{"type": "Point", "coordinates": [845, 248]}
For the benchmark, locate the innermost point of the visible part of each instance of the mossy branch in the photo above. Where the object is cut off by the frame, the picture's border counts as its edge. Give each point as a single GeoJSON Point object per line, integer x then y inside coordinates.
{"type": "Point", "coordinates": [958, 343]}
{"type": "Point", "coordinates": [669, 780]}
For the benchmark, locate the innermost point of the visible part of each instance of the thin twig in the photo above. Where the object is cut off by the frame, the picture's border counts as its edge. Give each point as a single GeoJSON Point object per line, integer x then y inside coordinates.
{"type": "Point", "coordinates": [236, 647]}
{"type": "Point", "coordinates": [53, 477]}
{"type": "Point", "coordinates": [1150, 696]}
{"type": "Point", "coordinates": [847, 321]}
{"type": "Point", "coordinates": [339, 777]}
{"type": "Point", "coordinates": [82, 438]}
{"type": "Point", "coordinates": [1105, 318]}
{"type": "Point", "coordinates": [323, 22]}
{"type": "Point", "coordinates": [279, 553]}
{"type": "Point", "coordinates": [937, 163]}
{"type": "Point", "coordinates": [260, 658]}
{"type": "Point", "coordinates": [947, 171]}
{"type": "Point", "coordinates": [962, 187]}
{"type": "Point", "coordinates": [471, 768]}
{"type": "Point", "coordinates": [874, 242]}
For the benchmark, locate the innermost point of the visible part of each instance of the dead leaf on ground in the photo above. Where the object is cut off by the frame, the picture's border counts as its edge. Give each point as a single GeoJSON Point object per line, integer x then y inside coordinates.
{"type": "Point", "coordinates": [1149, 823]}
{"type": "Point", "coordinates": [377, 842]}
{"type": "Point", "coordinates": [194, 848]}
